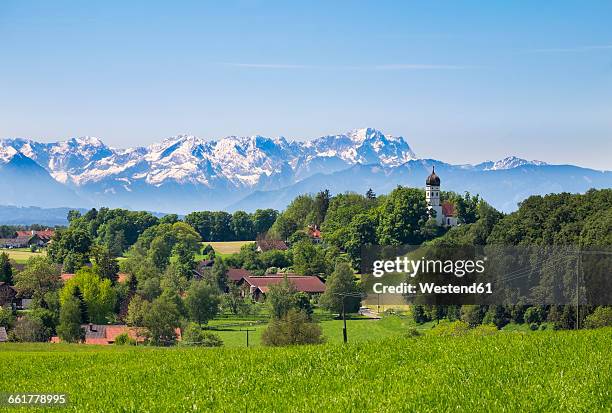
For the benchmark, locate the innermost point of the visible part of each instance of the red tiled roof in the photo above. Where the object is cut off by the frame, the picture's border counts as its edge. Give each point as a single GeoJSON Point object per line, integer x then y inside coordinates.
{"type": "Point", "coordinates": [44, 235]}
{"type": "Point", "coordinates": [101, 334]}
{"type": "Point", "coordinates": [121, 277]}
{"type": "Point", "coordinates": [448, 209]}
{"type": "Point", "coordinates": [237, 274]}
{"type": "Point", "coordinates": [67, 276]}
{"type": "Point", "coordinates": [307, 283]}
{"type": "Point", "coordinates": [271, 244]}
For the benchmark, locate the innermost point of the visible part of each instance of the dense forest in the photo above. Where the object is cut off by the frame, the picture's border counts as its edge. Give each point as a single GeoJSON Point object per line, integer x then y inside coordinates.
{"type": "Point", "coordinates": [163, 290]}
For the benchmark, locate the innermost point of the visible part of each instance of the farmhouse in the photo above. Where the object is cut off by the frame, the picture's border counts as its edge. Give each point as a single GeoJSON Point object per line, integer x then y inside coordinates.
{"type": "Point", "coordinates": [24, 239]}
{"type": "Point", "coordinates": [258, 287]}
{"type": "Point", "coordinates": [107, 334]}
{"type": "Point", "coordinates": [235, 275]}
{"type": "Point", "coordinates": [44, 236]}
{"type": "Point", "coordinates": [270, 244]}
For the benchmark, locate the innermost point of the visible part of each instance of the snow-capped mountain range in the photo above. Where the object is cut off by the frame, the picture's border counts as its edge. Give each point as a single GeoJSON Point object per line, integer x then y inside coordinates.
{"type": "Point", "coordinates": [186, 173]}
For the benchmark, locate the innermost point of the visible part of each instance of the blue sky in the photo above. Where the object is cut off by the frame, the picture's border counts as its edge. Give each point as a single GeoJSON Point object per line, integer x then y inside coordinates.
{"type": "Point", "coordinates": [462, 81]}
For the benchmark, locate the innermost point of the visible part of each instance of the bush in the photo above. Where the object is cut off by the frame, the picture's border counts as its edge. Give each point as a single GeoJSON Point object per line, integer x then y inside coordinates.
{"type": "Point", "coordinates": [124, 340]}
{"type": "Point", "coordinates": [7, 319]}
{"type": "Point", "coordinates": [454, 328]}
{"type": "Point", "coordinates": [543, 327]}
{"type": "Point", "coordinates": [413, 332]}
{"type": "Point", "coordinates": [534, 315]}
{"type": "Point", "coordinates": [294, 328]}
{"type": "Point", "coordinates": [29, 329]}
{"type": "Point", "coordinates": [195, 336]}
{"type": "Point", "coordinates": [485, 330]}
{"type": "Point", "coordinates": [471, 314]}
{"type": "Point", "coordinates": [534, 326]}
{"type": "Point", "coordinates": [601, 317]}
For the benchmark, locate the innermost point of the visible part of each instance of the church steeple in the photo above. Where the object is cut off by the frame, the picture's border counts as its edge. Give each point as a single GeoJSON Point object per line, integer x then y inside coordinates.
{"type": "Point", "coordinates": [432, 195]}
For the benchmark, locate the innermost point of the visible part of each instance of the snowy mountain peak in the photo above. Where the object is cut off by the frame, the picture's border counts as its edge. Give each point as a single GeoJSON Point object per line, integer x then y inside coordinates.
{"type": "Point", "coordinates": [6, 154]}
{"type": "Point", "coordinates": [509, 163]}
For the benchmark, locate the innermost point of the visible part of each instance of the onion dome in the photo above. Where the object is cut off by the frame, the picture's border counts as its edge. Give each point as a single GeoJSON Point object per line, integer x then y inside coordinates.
{"type": "Point", "coordinates": [433, 179]}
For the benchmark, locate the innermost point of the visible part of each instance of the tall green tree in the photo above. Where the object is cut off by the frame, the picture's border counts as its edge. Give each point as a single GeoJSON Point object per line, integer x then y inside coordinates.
{"type": "Point", "coordinates": [321, 204]}
{"type": "Point", "coordinates": [263, 219]}
{"type": "Point", "coordinates": [202, 302]}
{"type": "Point", "coordinates": [69, 328]}
{"type": "Point", "coordinates": [105, 264]}
{"type": "Point", "coordinates": [281, 298]}
{"type": "Point", "coordinates": [161, 321]}
{"type": "Point", "coordinates": [309, 259]}
{"type": "Point", "coordinates": [39, 277]}
{"type": "Point", "coordinates": [341, 287]}
{"type": "Point", "coordinates": [401, 217]}
{"type": "Point", "coordinates": [6, 269]}
{"type": "Point", "coordinates": [218, 274]}
{"type": "Point", "coordinates": [242, 226]}
{"type": "Point", "coordinates": [98, 294]}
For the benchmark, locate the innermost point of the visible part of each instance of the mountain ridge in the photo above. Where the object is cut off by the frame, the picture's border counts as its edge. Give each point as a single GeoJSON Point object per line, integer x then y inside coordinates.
{"type": "Point", "coordinates": [185, 172]}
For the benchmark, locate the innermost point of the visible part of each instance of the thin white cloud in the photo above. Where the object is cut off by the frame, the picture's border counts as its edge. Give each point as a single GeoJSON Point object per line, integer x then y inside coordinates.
{"type": "Point", "coordinates": [267, 66]}
{"type": "Point", "coordinates": [572, 49]}
{"type": "Point", "coordinates": [417, 67]}
{"type": "Point", "coordinates": [396, 66]}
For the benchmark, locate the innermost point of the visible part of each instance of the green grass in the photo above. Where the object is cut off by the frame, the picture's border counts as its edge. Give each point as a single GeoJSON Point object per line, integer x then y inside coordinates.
{"type": "Point", "coordinates": [227, 248]}
{"type": "Point", "coordinates": [547, 371]}
{"type": "Point", "coordinates": [232, 331]}
{"type": "Point", "coordinates": [21, 255]}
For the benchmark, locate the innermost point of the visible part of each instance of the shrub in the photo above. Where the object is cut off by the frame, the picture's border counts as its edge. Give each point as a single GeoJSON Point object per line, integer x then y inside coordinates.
{"type": "Point", "coordinates": [543, 327]}
{"type": "Point", "coordinates": [413, 332]}
{"type": "Point", "coordinates": [454, 328]}
{"type": "Point", "coordinates": [195, 336]}
{"type": "Point", "coordinates": [534, 326]}
{"type": "Point", "coordinates": [485, 330]}
{"type": "Point", "coordinates": [7, 319]}
{"type": "Point", "coordinates": [471, 314]}
{"type": "Point", "coordinates": [601, 317]}
{"type": "Point", "coordinates": [294, 328]}
{"type": "Point", "coordinates": [534, 315]}
{"type": "Point", "coordinates": [124, 340]}
{"type": "Point", "coordinates": [29, 329]}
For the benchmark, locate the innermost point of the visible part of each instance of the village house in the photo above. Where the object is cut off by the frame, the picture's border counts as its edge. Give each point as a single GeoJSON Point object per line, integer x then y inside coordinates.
{"type": "Point", "coordinates": [314, 233]}
{"type": "Point", "coordinates": [258, 287]}
{"type": "Point", "coordinates": [264, 245]}
{"type": "Point", "coordinates": [25, 239]}
{"type": "Point", "coordinates": [101, 334]}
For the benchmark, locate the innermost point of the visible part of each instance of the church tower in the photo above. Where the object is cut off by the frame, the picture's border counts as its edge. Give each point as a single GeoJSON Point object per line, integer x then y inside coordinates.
{"type": "Point", "coordinates": [432, 195]}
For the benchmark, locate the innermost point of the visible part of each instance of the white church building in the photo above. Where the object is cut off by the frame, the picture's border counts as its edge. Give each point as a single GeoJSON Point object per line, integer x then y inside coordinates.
{"type": "Point", "coordinates": [445, 213]}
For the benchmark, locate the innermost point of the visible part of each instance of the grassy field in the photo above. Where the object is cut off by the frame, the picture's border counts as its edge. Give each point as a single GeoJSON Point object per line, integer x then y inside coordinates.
{"type": "Point", "coordinates": [544, 371]}
{"type": "Point", "coordinates": [21, 255]}
{"type": "Point", "coordinates": [359, 330]}
{"type": "Point", "coordinates": [228, 247]}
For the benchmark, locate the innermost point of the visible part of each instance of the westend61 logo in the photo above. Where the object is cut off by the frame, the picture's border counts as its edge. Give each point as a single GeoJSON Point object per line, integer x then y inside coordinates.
{"type": "Point", "coordinates": [405, 265]}
{"type": "Point", "coordinates": [423, 267]}
{"type": "Point", "coordinates": [490, 274]}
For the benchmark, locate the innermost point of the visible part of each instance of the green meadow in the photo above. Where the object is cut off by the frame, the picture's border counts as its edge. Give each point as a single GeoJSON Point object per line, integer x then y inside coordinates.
{"type": "Point", "coordinates": [507, 371]}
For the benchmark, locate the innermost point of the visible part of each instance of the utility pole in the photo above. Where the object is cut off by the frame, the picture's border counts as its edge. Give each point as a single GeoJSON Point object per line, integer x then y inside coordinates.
{"type": "Point", "coordinates": [247, 335]}
{"type": "Point", "coordinates": [344, 320]}
{"type": "Point", "coordinates": [578, 258]}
